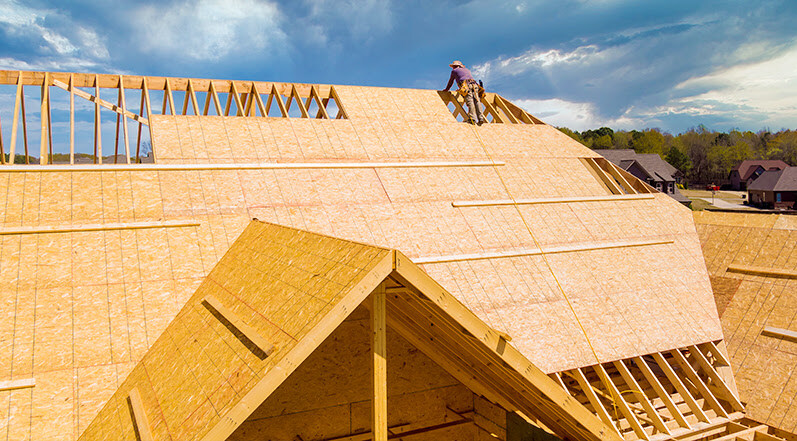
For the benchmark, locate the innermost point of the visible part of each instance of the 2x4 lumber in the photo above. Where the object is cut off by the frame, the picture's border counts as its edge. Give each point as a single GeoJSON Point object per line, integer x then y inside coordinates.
{"type": "Point", "coordinates": [259, 100]}
{"type": "Point", "coordinates": [562, 200]}
{"type": "Point", "coordinates": [15, 123]}
{"type": "Point", "coordinates": [634, 386]}
{"type": "Point", "coordinates": [97, 124]}
{"type": "Point", "coordinates": [680, 387]}
{"type": "Point", "coordinates": [762, 271]}
{"type": "Point", "coordinates": [718, 354]}
{"type": "Point", "coordinates": [45, 110]}
{"type": "Point", "coordinates": [620, 402]}
{"type": "Point", "coordinates": [97, 227]}
{"type": "Point", "coordinates": [491, 109]}
{"type": "Point", "coordinates": [783, 334]}
{"type": "Point", "coordinates": [246, 166]}
{"type": "Point", "coordinates": [294, 96]}
{"type": "Point", "coordinates": [192, 94]}
{"type": "Point", "coordinates": [2, 147]}
{"type": "Point", "coordinates": [747, 433]}
{"type": "Point", "coordinates": [614, 187]}
{"type": "Point", "coordinates": [322, 111]}
{"type": "Point", "coordinates": [288, 363]}
{"type": "Point", "coordinates": [148, 106]}
{"type": "Point", "coordinates": [71, 87]}
{"type": "Point", "coordinates": [661, 392]}
{"type": "Point", "coordinates": [216, 101]}
{"type": "Point", "coordinates": [239, 324]}
{"type": "Point", "coordinates": [276, 96]}
{"type": "Point", "coordinates": [499, 102]}
{"type": "Point", "coordinates": [168, 96]}
{"type": "Point", "coordinates": [586, 387]}
{"type": "Point", "coordinates": [555, 407]}
{"type": "Point", "coordinates": [613, 171]}
{"type": "Point", "coordinates": [124, 118]}
{"type": "Point", "coordinates": [17, 384]}
{"type": "Point", "coordinates": [570, 248]}
{"type": "Point", "coordinates": [237, 97]}
{"type": "Point", "coordinates": [140, 128]}
{"type": "Point", "coordinates": [695, 379]}
{"type": "Point", "coordinates": [342, 113]}
{"type": "Point", "coordinates": [99, 101]}
{"type": "Point", "coordinates": [379, 352]}
{"type": "Point", "coordinates": [140, 416]}
{"type": "Point", "coordinates": [558, 378]}
{"type": "Point", "coordinates": [712, 374]}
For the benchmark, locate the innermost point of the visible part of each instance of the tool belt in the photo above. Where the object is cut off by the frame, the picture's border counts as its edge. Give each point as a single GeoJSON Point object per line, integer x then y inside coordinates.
{"type": "Point", "coordinates": [464, 88]}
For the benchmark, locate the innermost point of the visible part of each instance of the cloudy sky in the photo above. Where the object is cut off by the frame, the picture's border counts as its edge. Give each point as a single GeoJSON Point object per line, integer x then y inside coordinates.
{"type": "Point", "coordinates": [577, 63]}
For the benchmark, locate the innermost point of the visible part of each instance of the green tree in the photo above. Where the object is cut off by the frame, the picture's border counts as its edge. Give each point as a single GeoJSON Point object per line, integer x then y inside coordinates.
{"type": "Point", "coordinates": [678, 159]}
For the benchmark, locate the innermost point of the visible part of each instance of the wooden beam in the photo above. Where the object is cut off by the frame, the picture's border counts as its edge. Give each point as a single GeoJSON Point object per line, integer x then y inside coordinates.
{"type": "Point", "coordinates": [249, 332]}
{"type": "Point", "coordinates": [140, 128]}
{"type": "Point", "coordinates": [194, 103]}
{"type": "Point", "coordinates": [259, 100]}
{"type": "Point", "coordinates": [618, 399]}
{"type": "Point", "coordinates": [322, 111]}
{"type": "Point", "coordinates": [692, 376]}
{"type": "Point", "coordinates": [148, 106]}
{"type": "Point", "coordinates": [633, 385]}
{"type": "Point", "coordinates": [555, 376]}
{"type": "Point", "coordinates": [15, 123]}
{"type": "Point", "coordinates": [342, 113]}
{"type": "Point", "coordinates": [140, 416]}
{"type": "Point", "coordinates": [499, 102]}
{"type": "Point", "coordinates": [71, 87]}
{"type": "Point", "coordinates": [275, 95]}
{"type": "Point", "coordinates": [43, 117]}
{"type": "Point", "coordinates": [294, 96]}
{"type": "Point", "coordinates": [17, 384]}
{"type": "Point", "coordinates": [124, 118]}
{"type": "Point", "coordinates": [379, 351]}
{"type": "Point", "coordinates": [717, 380]}
{"type": "Point", "coordinates": [613, 171]}
{"type": "Point", "coordinates": [679, 386]}
{"type": "Point", "coordinates": [2, 147]}
{"type": "Point", "coordinates": [586, 387]}
{"type": "Point", "coordinates": [763, 271]}
{"type": "Point", "coordinates": [237, 97]}
{"type": "Point", "coordinates": [661, 392]}
{"type": "Point", "coordinates": [97, 125]}
{"type": "Point", "coordinates": [783, 334]}
{"type": "Point", "coordinates": [170, 97]}
{"type": "Point", "coordinates": [562, 200]}
{"type": "Point", "coordinates": [97, 100]}
{"type": "Point", "coordinates": [216, 101]}
{"type": "Point", "coordinates": [607, 180]}
{"type": "Point", "coordinates": [51, 229]}
{"type": "Point", "coordinates": [492, 110]}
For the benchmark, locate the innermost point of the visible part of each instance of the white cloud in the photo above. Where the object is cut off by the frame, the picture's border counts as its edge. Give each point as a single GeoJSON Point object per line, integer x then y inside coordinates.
{"type": "Point", "coordinates": [573, 115]}
{"type": "Point", "coordinates": [210, 29]}
{"type": "Point", "coordinates": [537, 59]}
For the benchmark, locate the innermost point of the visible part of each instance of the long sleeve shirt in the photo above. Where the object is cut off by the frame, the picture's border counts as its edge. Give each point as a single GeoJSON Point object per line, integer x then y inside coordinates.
{"type": "Point", "coordinates": [459, 74]}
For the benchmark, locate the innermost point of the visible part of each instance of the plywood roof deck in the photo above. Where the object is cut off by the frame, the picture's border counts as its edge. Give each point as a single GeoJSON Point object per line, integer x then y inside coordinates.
{"type": "Point", "coordinates": [82, 307]}
{"type": "Point", "coordinates": [750, 259]}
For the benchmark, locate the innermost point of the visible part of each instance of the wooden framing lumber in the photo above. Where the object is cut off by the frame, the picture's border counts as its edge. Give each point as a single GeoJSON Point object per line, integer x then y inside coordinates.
{"type": "Point", "coordinates": [294, 96]}
{"type": "Point", "coordinates": [237, 98]}
{"type": "Point", "coordinates": [716, 379]}
{"type": "Point", "coordinates": [633, 385]}
{"type": "Point", "coordinates": [148, 106]}
{"type": "Point", "coordinates": [46, 229]}
{"type": "Point", "coordinates": [97, 124]}
{"type": "Point", "coordinates": [499, 103]}
{"type": "Point", "coordinates": [45, 110]}
{"type": "Point", "coordinates": [246, 166]}
{"type": "Point", "coordinates": [216, 101]}
{"type": "Point", "coordinates": [25, 129]}
{"type": "Point", "coordinates": [613, 171]}
{"type": "Point", "coordinates": [192, 94]}
{"type": "Point", "coordinates": [99, 101]}
{"type": "Point", "coordinates": [596, 403]}
{"type": "Point", "coordinates": [698, 383]}
{"type": "Point", "coordinates": [536, 251]}
{"type": "Point", "coordinates": [14, 124]}
{"type": "Point", "coordinates": [762, 271]}
{"type": "Point", "coordinates": [342, 113]}
{"type": "Point", "coordinates": [258, 100]}
{"type": "Point", "coordinates": [783, 334]}
{"type": "Point", "coordinates": [140, 421]}
{"type": "Point", "coordinates": [562, 200]}
{"type": "Point", "coordinates": [680, 387]}
{"type": "Point", "coordinates": [607, 180]}
{"type": "Point", "coordinates": [2, 147]}
{"type": "Point", "coordinates": [661, 392]}
{"type": "Point", "coordinates": [23, 383]}
{"type": "Point", "coordinates": [379, 352]}
{"type": "Point", "coordinates": [168, 96]}
{"type": "Point", "coordinates": [620, 402]}
{"type": "Point", "coordinates": [249, 332]}
{"type": "Point", "coordinates": [123, 116]}
{"type": "Point", "coordinates": [71, 87]}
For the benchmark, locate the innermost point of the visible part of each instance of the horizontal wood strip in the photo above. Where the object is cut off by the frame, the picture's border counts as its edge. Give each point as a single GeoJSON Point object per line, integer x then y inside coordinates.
{"type": "Point", "coordinates": [17, 384]}
{"type": "Point", "coordinates": [784, 334]}
{"type": "Point", "coordinates": [536, 251]}
{"type": "Point", "coordinates": [564, 200]}
{"type": "Point", "coordinates": [762, 271]}
{"type": "Point", "coordinates": [97, 227]}
{"type": "Point", "coordinates": [102, 102]}
{"type": "Point", "coordinates": [245, 166]}
{"type": "Point", "coordinates": [248, 331]}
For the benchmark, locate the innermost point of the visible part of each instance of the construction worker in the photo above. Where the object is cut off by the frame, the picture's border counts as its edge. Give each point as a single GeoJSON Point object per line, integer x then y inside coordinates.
{"type": "Point", "coordinates": [469, 88]}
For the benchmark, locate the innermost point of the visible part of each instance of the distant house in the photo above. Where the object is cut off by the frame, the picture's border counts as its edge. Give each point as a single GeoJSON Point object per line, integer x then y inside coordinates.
{"type": "Point", "coordinates": [650, 168]}
{"type": "Point", "coordinates": [748, 171]}
{"type": "Point", "coordinates": [775, 189]}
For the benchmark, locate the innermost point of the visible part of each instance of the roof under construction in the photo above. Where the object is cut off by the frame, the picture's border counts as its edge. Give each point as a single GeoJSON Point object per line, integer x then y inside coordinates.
{"type": "Point", "coordinates": [593, 277]}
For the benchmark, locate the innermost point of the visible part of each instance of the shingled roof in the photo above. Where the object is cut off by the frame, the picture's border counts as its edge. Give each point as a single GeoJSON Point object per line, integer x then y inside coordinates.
{"type": "Point", "coordinates": [747, 167]}
{"type": "Point", "coordinates": [776, 180]}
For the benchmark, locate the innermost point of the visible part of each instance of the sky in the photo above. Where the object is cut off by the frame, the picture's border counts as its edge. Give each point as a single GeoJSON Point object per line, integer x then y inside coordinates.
{"type": "Point", "coordinates": [582, 64]}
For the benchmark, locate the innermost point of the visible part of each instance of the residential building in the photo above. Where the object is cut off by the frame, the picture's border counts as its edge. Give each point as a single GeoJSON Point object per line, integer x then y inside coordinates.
{"type": "Point", "coordinates": [649, 168]}
{"type": "Point", "coordinates": [775, 189]}
{"type": "Point", "coordinates": [748, 171]}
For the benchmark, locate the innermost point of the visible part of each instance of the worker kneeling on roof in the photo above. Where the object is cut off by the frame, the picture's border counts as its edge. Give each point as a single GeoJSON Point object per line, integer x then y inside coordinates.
{"type": "Point", "coordinates": [469, 88]}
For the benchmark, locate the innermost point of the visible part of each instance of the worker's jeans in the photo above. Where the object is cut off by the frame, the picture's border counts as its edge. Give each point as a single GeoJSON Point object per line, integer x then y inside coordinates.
{"type": "Point", "coordinates": [474, 106]}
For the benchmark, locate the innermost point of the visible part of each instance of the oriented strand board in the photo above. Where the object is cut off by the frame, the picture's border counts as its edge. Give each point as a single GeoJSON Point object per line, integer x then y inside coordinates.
{"type": "Point", "coordinates": [764, 365]}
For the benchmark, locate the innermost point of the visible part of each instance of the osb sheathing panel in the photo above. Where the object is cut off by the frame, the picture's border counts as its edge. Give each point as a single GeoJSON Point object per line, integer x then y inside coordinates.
{"type": "Point", "coordinates": [626, 292]}
{"type": "Point", "coordinates": [330, 393]}
{"type": "Point", "coordinates": [191, 377]}
{"type": "Point", "coordinates": [764, 366]}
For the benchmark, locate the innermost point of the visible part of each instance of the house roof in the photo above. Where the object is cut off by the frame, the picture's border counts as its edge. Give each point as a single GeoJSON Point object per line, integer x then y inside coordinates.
{"type": "Point", "coordinates": [651, 163]}
{"type": "Point", "coordinates": [747, 167]}
{"type": "Point", "coordinates": [776, 180]}
{"type": "Point", "coordinates": [97, 260]}
{"type": "Point", "coordinates": [749, 257]}
{"type": "Point", "coordinates": [275, 296]}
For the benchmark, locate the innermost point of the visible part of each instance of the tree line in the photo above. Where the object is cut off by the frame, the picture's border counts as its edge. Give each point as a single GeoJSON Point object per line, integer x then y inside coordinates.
{"type": "Point", "coordinates": [703, 155]}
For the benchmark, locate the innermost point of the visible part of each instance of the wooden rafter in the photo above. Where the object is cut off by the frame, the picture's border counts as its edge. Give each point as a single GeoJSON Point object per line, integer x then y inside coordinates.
{"type": "Point", "coordinates": [322, 111]}
{"type": "Point", "coordinates": [14, 124]}
{"type": "Point", "coordinates": [168, 96]}
{"type": "Point", "coordinates": [342, 113]}
{"type": "Point", "coordinates": [97, 125]}
{"type": "Point", "coordinates": [259, 100]}
{"type": "Point", "coordinates": [99, 101]}
{"type": "Point", "coordinates": [661, 392]}
{"type": "Point", "coordinates": [237, 98]}
{"type": "Point", "coordinates": [45, 111]}
{"type": "Point", "coordinates": [620, 402]}
{"type": "Point", "coordinates": [680, 387]}
{"type": "Point", "coordinates": [698, 383]}
{"type": "Point", "coordinates": [715, 378]}
{"type": "Point", "coordinates": [276, 97]}
{"type": "Point", "coordinates": [596, 403]}
{"type": "Point", "coordinates": [633, 385]}
{"type": "Point", "coordinates": [216, 101]}
{"type": "Point", "coordinates": [294, 96]}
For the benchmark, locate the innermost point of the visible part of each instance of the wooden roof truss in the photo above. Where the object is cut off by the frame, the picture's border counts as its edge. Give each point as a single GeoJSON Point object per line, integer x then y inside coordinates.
{"type": "Point", "coordinates": [667, 394]}
{"type": "Point", "coordinates": [496, 109]}
{"type": "Point", "coordinates": [181, 96]}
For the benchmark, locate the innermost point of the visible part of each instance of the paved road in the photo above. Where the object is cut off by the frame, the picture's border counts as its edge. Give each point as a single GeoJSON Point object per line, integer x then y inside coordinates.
{"type": "Point", "coordinates": [719, 203]}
